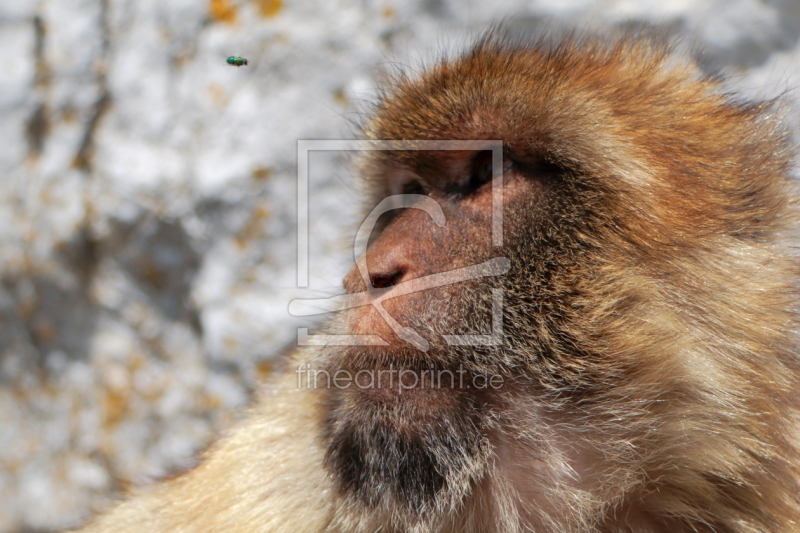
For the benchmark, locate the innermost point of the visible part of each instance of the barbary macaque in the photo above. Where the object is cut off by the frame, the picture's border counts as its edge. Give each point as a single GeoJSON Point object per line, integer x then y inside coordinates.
{"type": "Point", "coordinates": [626, 360]}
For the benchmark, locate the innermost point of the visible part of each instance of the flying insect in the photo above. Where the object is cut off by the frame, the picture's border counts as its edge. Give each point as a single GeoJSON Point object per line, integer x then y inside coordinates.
{"type": "Point", "coordinates": [236, 61]}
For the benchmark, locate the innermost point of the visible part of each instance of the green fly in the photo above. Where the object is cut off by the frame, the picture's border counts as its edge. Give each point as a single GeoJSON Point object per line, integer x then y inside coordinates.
{"type": "Point", "coordinates": [236, 61]}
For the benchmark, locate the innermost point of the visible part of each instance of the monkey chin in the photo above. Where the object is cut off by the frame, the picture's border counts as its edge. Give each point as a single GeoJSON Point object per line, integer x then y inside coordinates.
{"type": "Point", "coordinates": [402, 451]}
{"type": "Point", "coordinates": [404, 435]}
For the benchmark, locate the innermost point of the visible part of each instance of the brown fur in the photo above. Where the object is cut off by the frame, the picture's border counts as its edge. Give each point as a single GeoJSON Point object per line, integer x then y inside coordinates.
{"type": "Point", "coordinates": [651, 377]}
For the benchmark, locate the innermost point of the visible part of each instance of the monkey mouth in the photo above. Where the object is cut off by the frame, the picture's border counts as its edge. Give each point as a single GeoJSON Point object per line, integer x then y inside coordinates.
{"type": "Point", "coordinates": [380, 383]}
{"type": "Point", "coordinates": [427, 389]}
{"type": "Point", "coordinates": [396, 370]}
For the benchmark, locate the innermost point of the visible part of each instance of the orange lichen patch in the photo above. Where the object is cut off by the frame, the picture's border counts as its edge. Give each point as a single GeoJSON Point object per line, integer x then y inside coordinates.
{"type": "Point", "coordinates": [388, 12]}
{"type": "Point", "coordinates": [264, 368]}
{"type": "Point", "coordinates": [115, 405]}
{"type": "Point", "coordinates": [136, 363]}
{"type": "Point", "coordinates": [261, 174]}
{"type": "Point", "coordinates": [255, 226]}
{"type": "Point", "coordinates": [250, 276]}
{"type": "Point", "coordinates": [231, 344]}
{"type": "Point", "coordinates": [262, 211]}
{"type": "Point", "coordinates": [222, 11]}
{"type": "Point", "coordinates": [180, 59]}
{"type": "Point", "coordinates": [69, 114]}
{"type": "Point", "coordinates": [151, 387]}
{"type": "Point", "coordinates": [217, 94]}
{"type": "Point", "coordinates": [210, 402]}
{"type": "Point", "coordinates": [340, 97]}
{"type": "Point", "coordinates": [269, 8]}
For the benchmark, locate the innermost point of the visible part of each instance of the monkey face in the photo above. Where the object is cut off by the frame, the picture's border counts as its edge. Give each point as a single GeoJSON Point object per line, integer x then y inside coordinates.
{"type": "Point", "coordinates": [412, 429]}
{"type": "Point", "coordinates": [419, 266]}
{"type": "Point", "coordinates": [632, 216]}
{"type": "Point", "coordinates": [415, 433]}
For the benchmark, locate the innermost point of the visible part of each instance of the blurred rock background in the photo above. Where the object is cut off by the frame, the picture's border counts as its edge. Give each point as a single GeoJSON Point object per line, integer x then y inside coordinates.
{"type": "Point", "coordinates": [148, 202]}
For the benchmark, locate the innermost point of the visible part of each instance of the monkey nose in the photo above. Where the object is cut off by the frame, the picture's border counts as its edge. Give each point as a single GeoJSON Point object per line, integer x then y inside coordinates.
{"type": "Point", "coordinates": [379, 270]}
{"type": "Point", "coordinates": [389, 266]}
{"type": "Point", "coordinates": [383, 266]}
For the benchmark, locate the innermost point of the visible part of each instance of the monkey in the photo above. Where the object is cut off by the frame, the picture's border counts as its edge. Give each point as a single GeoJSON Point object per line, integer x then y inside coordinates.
{"type": "Point", "coordinates": [644, 377]}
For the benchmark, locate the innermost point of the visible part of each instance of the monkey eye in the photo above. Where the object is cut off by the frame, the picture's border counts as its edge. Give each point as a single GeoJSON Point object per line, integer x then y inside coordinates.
{"type": "Point", "coordinates": [480, 173]}
{"type": "Point", "coordinates": [413, 187]}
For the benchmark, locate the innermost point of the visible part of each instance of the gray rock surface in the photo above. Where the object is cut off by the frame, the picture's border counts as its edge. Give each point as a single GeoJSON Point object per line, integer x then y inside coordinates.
{"type": "Point", "coordinates": [148, 202]}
